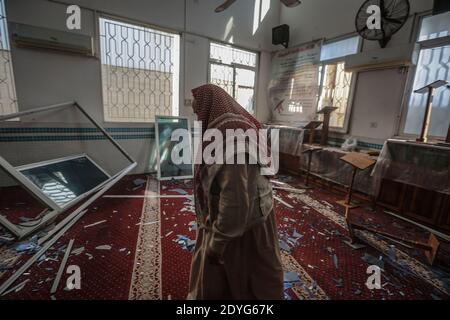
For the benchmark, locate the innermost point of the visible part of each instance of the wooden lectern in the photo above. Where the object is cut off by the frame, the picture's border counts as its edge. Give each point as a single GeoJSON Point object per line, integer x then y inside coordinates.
{"type": "Point", "coordinates": [311, 128]}
{"type": "Point", "coordinates": [310, 150]}
{"type": "Point", "coordinates": [430, 89]}
{"type": "Point", "coordinates": [358, 161]}
{"type": "Point", "coordinates": [326, 111]}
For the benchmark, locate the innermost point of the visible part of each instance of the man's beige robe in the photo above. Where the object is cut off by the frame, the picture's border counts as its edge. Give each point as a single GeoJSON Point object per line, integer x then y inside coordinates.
{"type": "Point", "coordinates": [240, 226]}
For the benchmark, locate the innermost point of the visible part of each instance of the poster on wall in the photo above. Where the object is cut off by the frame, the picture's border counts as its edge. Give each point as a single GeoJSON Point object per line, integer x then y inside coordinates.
{"type": "Point", "coordinates": [294, 83]}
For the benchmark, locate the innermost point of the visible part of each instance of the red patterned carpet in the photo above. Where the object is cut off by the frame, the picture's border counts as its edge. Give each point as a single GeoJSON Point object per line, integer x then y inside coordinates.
{"type": "Point", "coordinates": [146, 255]}
{"type": "Point", "coordinates": [15, 203]}
{"type": "Point", "coordinates": [106, 274]}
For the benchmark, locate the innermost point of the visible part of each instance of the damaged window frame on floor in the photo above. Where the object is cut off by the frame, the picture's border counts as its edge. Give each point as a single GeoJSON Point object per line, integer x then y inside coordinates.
{"type": "Point", "coordinates": [21, 231]}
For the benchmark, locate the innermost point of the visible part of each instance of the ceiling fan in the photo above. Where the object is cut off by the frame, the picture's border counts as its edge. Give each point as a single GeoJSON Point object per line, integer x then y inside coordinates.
{"type": "Point", "coordinates": [288, 3]}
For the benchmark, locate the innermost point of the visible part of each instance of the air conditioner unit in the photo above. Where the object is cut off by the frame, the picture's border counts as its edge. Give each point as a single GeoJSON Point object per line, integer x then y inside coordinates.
{"type": "Point", "coordinates": [399, 56]}
{"type": "Point", "coordinates": [43, 38]}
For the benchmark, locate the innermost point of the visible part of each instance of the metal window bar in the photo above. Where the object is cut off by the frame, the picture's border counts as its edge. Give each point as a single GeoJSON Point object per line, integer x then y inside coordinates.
{"type": "Point", "coordinates": [231, 55]}
{"type": "Point", "coordinates": [434, 64]}
{"type": "Point", "coordinates": [335, 91]}
{"type": "Point", "coordinates": [225, 63]}
{"type": "Point", "coordinates": [8, 97]}
{"type": "Point", "coordinates": [23, 231]}
{"type": "Point", "coordinates": [139, 71]}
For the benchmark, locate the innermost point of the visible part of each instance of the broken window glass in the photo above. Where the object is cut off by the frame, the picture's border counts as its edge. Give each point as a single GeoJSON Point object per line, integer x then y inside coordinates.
{"type": "Point", "coordinates": [64, 180]}
{"type": "Point", "coordinates": [168, 166]}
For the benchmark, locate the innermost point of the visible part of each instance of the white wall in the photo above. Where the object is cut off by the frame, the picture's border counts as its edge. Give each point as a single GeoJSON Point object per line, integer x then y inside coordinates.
{"type": "Point", "coordinates": [60, 77]}
{"type": "Point", "coordinates": [263, 112]}
{"type": "Point", "coordinates": [195, 70]}
{"type": "Point", "coordinates": [236, 24]}
{"type": "Point", "coordinates": [377, 102]}
{"type": "Point", "coordinates": [329, 19]}
{"type": "Point", "coordinates": [44, 77]}
{"type": "Point", "coordinates": [376, 112]}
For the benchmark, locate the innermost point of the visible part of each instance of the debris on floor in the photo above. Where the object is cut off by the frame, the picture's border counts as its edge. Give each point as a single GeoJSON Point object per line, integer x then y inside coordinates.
{"type": "Point", "coordinates": [29, 246]}
{"type": "Point", "coordinates": [104, 247]}
{"type": "Point", "coordinates": [78, 251]}
{"type": "Point", "coordinates": [291, 277]}
{"type": "Point", "coordinates": [284, 246]}
{"type": "Point", "coordinates": [179, 191]}
{"type": "Point", "coordinates": [294, 190]}
{"type": "Point", "coordinates": [185, 243]}
{"type": "Point", "coordinates": [138, 183]}
{"type": "Point", "coordinates": [192, 225]}
{"type": "Point", "coordinates": [94, 224]}
{"type": "Point", "coordinates": [283, 202]}
{"type": "Point", "coordinates": [17, 288]}
{"type": "Point", "coordinates": [371, 260]}
{"type": "Point", "coordinates": [6, 239]}
{"type": "Point", "coordinates": [311, 239]}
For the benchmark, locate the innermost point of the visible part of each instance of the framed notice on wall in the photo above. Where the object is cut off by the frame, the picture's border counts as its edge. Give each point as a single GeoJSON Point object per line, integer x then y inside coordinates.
{"type": "Point", "coordinates": [294, 83]}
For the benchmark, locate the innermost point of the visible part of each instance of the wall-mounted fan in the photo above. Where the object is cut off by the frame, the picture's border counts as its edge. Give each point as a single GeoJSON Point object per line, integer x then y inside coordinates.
{"type": "Point", "coordinates": [227, 3]}
{"type": "Point", "coordinates": [392, 15]}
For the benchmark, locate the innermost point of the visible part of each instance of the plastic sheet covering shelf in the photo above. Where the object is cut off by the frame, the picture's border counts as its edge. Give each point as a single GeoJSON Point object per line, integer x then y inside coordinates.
{"type": "Point", "coordinates": [327, 165]}
{"type": "Point", "coordinates": [291, 139]}
{"type": "Point", "coordinates": [422, 165]}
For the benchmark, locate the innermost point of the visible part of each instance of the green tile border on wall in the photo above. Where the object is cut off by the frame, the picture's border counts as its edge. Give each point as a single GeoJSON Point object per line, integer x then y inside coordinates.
{"type": "Point", "coordinates": [73, 130]}
{"type": "Point", "coordinates": [27, 134]}
{"type": "Point", "coordinates": [73, 138]}
{"type": "Point", "coordinates": [78, 134]}
{"type": "Point", "coordinates": [337, 142]}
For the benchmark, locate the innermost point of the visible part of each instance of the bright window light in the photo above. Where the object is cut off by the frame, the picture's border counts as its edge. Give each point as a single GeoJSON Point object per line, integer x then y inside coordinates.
{"type": "Point", "coordinates": [340, 49]}
{"type": "Point", "coordinates": [234, 70]}
{"type": "Point", "coordinates": [140, 72]}
{"type": "Point", "coordinates": [8, 97]}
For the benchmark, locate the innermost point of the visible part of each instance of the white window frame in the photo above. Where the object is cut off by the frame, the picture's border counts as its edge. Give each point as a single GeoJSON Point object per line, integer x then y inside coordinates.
{"type": "Point", "coordinates": [236, 66]}
{"type": "Point", "coordinates": [427, 44]}
{"type": "Point", "coordinates": [345, 128]}
{"type": "Point", "coordinates": [12, 89]}
{"type": "Point", "coordinates": [177, 63]}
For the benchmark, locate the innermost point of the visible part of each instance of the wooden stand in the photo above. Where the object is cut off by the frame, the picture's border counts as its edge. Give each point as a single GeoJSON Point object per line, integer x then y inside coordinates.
{"type": "Point", "coordinates": [361, 162]}
{"type": "Point", "coordinates": [358, 161]}
{"type": "Point", "coordinates": [326, 111]}
{"type": "Point", "coordinates": [309, 151]}
{"type": "Point", "coordinates": [311, 128]}
{"type": "Point", "coordinates": [430, 88]}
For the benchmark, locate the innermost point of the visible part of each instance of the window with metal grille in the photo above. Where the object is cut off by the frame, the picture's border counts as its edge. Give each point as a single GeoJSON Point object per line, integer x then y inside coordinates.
{"type": "Point", "coordinates": [140, 72]}
{"type": "Point", "coordinates": [433, 65]}
{"type": "Point", "coordinates": [335, 83]}
{"type": "Point", "coordinates": [8, 98]}
{"type": "Point", "coordinates": [234, 70]}
{"type": "Point", "coordinates": [335, 92]}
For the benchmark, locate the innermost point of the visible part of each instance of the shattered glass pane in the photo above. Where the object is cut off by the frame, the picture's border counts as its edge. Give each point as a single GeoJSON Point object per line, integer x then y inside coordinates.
{"type": "Point", "coordinates": [17, 205]}
{"type": "Point", "coordinates": [168, 165]}
{"type": "Point", "coordinates": [65, 180]}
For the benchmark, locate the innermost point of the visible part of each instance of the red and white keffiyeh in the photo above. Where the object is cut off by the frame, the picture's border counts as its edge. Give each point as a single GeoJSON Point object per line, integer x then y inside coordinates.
{"type": "Point", "coordinates": [216, 109]}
